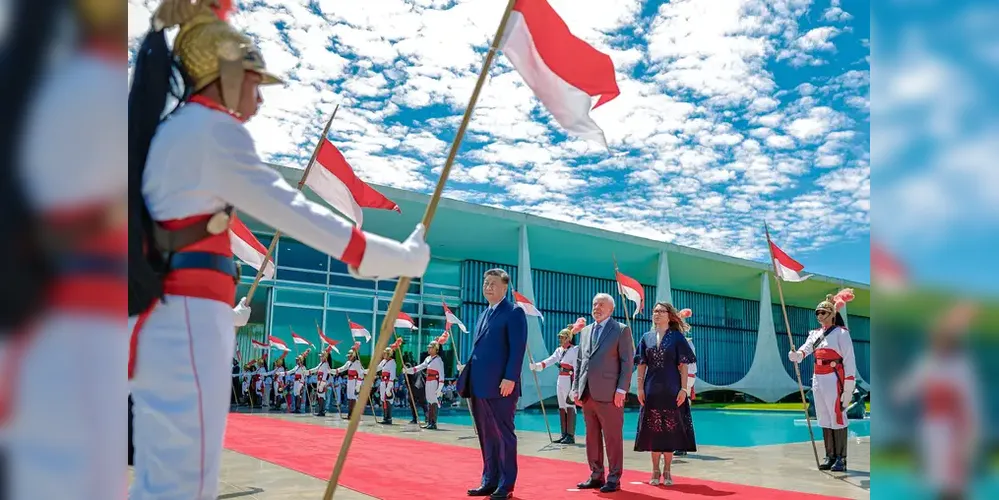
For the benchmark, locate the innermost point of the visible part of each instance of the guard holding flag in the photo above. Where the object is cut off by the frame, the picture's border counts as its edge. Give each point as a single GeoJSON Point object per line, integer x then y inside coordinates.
{"type": "Point", "coordinates": [387, 370]}
{"type": "Point", "coordinates": [564, 358]}
{"type": "Point", "coordinates": [186, 175]}
{"type": "Point", "coordinates": [355, 375]}
{"type": "Point", "coordinates": [434, 386]}
{"type": "Point", "coordinates": [834, 378]}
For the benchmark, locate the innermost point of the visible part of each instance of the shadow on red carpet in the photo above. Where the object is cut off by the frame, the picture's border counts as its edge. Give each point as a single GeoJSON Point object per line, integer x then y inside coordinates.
{"type": "Point", "coordinates": [393, 468]}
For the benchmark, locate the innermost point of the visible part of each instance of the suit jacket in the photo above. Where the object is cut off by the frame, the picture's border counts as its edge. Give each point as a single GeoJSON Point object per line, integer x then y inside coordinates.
{"type": "Point", "coordinates": [499, 342]}
{"type": "Point", "coordinates": [606, 367]}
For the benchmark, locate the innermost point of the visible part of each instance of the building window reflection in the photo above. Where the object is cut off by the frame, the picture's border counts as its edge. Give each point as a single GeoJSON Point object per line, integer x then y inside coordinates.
{"type": "Point", "coordinates": [302, 321]}
{"type": "Point", "coordinates": [295, 275]}
{"type": "Point", "coordinates": [294, 254]}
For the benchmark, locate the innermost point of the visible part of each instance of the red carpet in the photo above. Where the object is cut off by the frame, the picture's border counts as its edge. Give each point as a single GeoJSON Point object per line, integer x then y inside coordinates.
{"type": "Point", "coordinates": [393, 468]}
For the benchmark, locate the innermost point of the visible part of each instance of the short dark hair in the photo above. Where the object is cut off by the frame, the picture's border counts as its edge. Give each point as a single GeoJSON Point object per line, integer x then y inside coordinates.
{"type": "Point", "coordinates": [499, 273]}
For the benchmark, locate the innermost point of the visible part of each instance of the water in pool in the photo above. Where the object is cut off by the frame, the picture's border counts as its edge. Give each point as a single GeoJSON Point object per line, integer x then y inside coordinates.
{"type": "Point", "coordinates": [712, 427]}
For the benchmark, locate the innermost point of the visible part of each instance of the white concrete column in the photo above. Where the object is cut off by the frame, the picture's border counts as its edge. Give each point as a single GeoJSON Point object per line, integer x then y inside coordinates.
{"type": "Point", "coordinates": [766, 379]}
{"type": "Point", "coordinates": [535, 342]}
{"type": "Point", "coordinates": [664, 292]}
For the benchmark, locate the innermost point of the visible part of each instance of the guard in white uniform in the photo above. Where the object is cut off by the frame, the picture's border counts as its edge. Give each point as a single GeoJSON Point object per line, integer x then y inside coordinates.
{"type": "Point", "coordinates": [355, 375]}
{"type": "Point", "coordinates": [835, 376]}
{"type": "Point", "coordinates": [434, 385]}
{"type": "Point", "coordinates": [564, 358]}
{"type": "Point", "coordinates": [322, 372]}
{"type": "Point", "coordinates": [67, 272]}
{"type": "Point", "coordinates": [387, 369]}
{"type": "Point", "coordinates": [201, 164]}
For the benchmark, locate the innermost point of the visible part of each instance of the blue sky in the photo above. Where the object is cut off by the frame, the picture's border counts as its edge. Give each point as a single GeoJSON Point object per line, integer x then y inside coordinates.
{"type": "Point", "coordinates": [731, 112]}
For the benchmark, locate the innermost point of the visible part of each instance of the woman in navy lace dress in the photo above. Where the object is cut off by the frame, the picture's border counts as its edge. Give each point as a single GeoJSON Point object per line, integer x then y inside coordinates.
{"type": "Point", "coordinates": [664, 422]}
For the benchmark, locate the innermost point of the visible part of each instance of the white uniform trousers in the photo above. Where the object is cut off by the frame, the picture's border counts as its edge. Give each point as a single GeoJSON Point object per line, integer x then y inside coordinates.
{"type": "Point", "coordinates": [352, 387]}
{"type": "Point", "coordinates": [562, 388]}
{"type": "Point", "coordinates": [430, 386]}
{"type": "Point", "coordinates": [827, 403]}
{"type": "Point", "coordinates": [66, 437]}
{"type": "Point", "coordinates": [179, 389]}
{"type": "Point", "coordinates": [386, 391]}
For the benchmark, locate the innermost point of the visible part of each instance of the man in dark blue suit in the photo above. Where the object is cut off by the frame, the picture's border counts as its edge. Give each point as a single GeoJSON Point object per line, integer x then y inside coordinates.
{"type": "Point", "coordinates": [491, 379]}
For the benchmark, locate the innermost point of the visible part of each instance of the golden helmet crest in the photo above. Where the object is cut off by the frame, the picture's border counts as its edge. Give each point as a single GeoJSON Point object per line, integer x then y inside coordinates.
{"type": "Point", "coordinates": [208, 48]}
{"type": "Point", "coordinates": [101, 13]}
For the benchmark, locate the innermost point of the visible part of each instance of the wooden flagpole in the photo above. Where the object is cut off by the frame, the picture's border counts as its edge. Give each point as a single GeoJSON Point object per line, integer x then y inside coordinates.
{"type": "Point", "coordinates": [388, 324]}
{"type": "Point", "coordinates": [787, 326]}
{"type": "Point", "coordinates": [301, 184]}
{"type": "Point", "coordinates": [624, 300]}
{"type": "Point", "coordinates": [541, 400]}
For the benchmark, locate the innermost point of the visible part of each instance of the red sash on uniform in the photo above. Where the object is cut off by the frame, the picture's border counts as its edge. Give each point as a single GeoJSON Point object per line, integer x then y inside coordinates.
{"type": "Point", "coordinates": [829, 361]}
{"type": "Point", "coordinates": [565, 369]}
{"type": "Point", "coordinates": [386, 376]}
{"type": "Point", "coordinates": [352, 375]}
{"type": "Point", "coordinates": [199, 283]}
{"type": "Point", "coordinates": [433, 375]}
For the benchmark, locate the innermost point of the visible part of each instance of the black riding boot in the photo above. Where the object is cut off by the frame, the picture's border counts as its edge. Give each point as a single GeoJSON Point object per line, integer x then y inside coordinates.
{"type": "Point", "coordinates": [432, 417]}
{"type": "Point", "coordinates": [322, 407]}
{"type": "Point", "coordinates": [829, 441]}
{"type": "Point", "coordinates": [562, 422]}
{"type": "Point", "coordinates": [350, 407]}
{"type": "Point", "coordinates": [570, 426]}
{"type": "Point", "coordinates": [386, 413]}
{"type": "Point", "coordinates": [840, 436]}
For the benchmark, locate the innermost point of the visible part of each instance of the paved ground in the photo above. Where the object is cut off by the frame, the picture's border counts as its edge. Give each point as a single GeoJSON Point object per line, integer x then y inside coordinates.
{"type": "Point", "coordinates": [787, 467]}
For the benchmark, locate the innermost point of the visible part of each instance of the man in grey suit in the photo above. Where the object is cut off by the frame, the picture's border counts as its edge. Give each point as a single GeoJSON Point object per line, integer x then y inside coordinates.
{"type": "Point", "coordinates": [603, 367]}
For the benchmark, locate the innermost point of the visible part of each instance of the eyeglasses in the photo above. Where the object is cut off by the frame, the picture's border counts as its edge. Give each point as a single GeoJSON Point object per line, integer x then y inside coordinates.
{"type": "Point", "coordinates": [659, 311]}
{"type": "Point", "coordinates": [821, 313]}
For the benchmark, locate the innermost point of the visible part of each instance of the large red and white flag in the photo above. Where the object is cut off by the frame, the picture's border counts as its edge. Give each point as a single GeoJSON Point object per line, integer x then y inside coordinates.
{"type": "Point", "coordinates": [787, 268]}
{"type": "Point", "coordinates": [278, 343]}
{"type": "Point", "coordinates": [259, 345]}
{"type": "Point", "coordinates": [326, 340]}
{"type": "Point", "coordinates": [357, 330]}
{"type": "Point", "coordinates": [247, 247]}
{"type": "Point", "coordinates": [562, 70]}
{"type": "Point", "coordinates": [298, 339]}
{"type": "Point", "coordinates": [451, 319]}
{"type": "Point", "coordinates": [632, 290]}
{"type": "Point", "coordinates": [405, 321]}
{"type": "Point", "coordinates": [526, 305]}
{"type": "Point", "coordinates": [333, 179]}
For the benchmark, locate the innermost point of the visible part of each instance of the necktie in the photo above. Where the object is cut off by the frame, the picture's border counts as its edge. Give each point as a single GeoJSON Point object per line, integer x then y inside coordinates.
{"type": "Point", "coordinates": [596, 336]}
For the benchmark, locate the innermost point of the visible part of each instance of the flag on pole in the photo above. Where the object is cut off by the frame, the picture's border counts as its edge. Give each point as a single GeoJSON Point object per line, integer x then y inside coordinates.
{"type": "Point", "coordinates": [298, 339]}
{"type": "Point", "coordinates": [632, 290]}
{"type": "Point", "coordinates": [887, 273]}
{"type": "Point", "coordinates": [787, 268]}
{"type": "Point", "coordinates": [405, 321]}
{"type": "Point", "coordinates": [452, 319]}
{"type": "Point", "coordinates": [326, 340]}
{"type": "Point", "coordinates": [357, 330]}
{"type": "Point", "coordinates": [333, 179]}
{"type": "Point", "coordinates": [527, 305]}
{"type": "Point", "coordinates": [259, 345]}
{"type": "Point", "coordinates": [246, 246]}
{"type": "Point", "coordinates": [278, 343]}
{"type": "Point", "coordinates": [562, 70]}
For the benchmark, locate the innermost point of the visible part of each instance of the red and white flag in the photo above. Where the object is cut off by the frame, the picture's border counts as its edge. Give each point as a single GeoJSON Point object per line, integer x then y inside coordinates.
{"type": "Point", "coordinates": [298, 339]}
{"type": "Point", "coordinates": [452, 319]}
{"type": "Point", "coordinates": [247, 247]}
{"type": "Point", "coordinates": [562, 70]}
{"type": "Point", "coordinates": [259, 345]}
{"type": "Point", "coordinates": [278, 343]}
{"type": "Point", "coordinates": [357, 330]}
{"type": "Point", "coordinates": [632, 290]}
{"type": "Point", "coordinates": [787, 268]}
{"type": "Point", "coordinates": [326, 340]}
{"type": "Point", "coordinates": [887, 273]}
{"type": "Point", "coordinates": [527, 305]}
{"type": "Point", "coordinates": [405, 321]}
{"type": "Point", "coordinates": [334, 180]}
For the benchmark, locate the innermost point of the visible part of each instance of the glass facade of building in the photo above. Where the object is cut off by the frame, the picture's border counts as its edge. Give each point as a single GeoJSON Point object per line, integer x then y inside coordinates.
{"type": "Point", "coordinates": [314, 291]}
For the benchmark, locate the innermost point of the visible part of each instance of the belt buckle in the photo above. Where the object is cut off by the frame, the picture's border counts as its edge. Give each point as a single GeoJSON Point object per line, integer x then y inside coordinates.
{"type": "Point", "coordinates": [218, 223]}
{"type": "Point", "coordinates": [832, 364]}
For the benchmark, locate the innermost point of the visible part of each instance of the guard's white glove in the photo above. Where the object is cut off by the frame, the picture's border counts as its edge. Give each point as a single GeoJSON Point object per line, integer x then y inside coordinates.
{"type": "Point", "coordinates": [536, 367]}
{"type": "Point", "coordinates": [386, 259]}
{"type": "Point", "coordinates": [848, 388]}
{"type": "Point", "coordinates": [795, 356]}
{"type": "Point", "coordinates": [242, 313]}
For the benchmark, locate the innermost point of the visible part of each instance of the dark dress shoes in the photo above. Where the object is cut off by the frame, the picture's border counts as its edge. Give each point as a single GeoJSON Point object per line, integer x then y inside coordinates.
{"type": "Point", "coordinates": [610, 487]}
{"type": "Point", "coordinates": [501, 494]}
{"type": "Point", "coordinates": [590, 484]}
{"type": "Point", "coordinates": [481, 491]}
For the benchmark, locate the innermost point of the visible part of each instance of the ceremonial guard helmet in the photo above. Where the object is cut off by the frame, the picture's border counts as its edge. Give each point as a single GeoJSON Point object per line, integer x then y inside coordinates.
{"type": "Point", "coordinates": [834, 303]}
{"type": "Point", "coordinates": [208, 48]}
{"type": "Point", "coordinates": [437, 343]}
{"type": "Point", "coordinates": [354, 350]}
